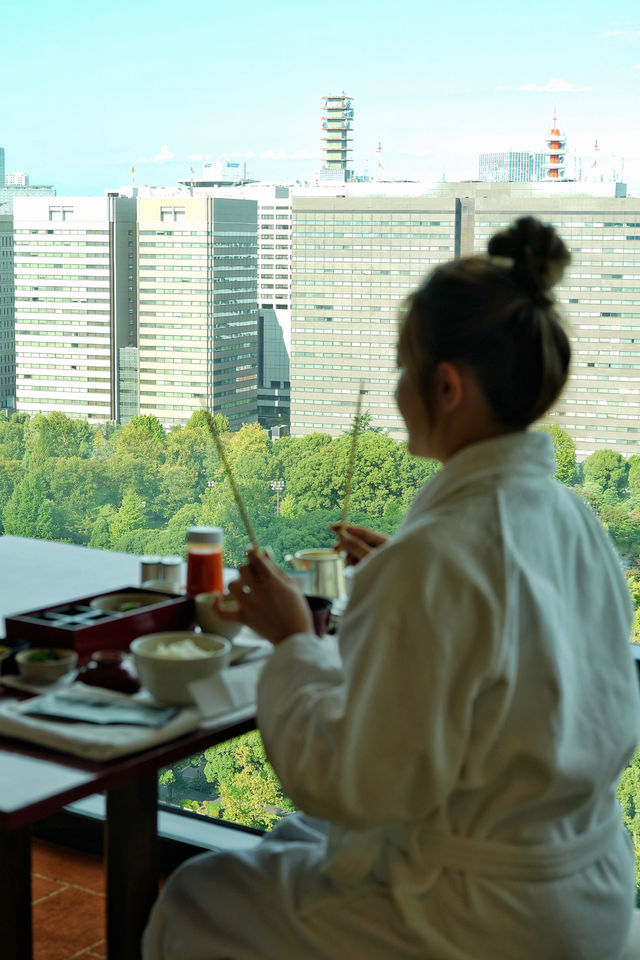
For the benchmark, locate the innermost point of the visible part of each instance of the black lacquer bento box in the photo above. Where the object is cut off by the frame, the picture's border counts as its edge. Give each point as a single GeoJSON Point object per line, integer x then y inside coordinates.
{"type": "Point", "coordinates": [85, 628]}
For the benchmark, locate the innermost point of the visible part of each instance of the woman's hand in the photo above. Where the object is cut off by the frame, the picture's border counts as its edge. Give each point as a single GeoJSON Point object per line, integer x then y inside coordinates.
{"type": "Point", "coordinates": [266, 600]}
{"type": "Point", "coordinates": [356, 542]}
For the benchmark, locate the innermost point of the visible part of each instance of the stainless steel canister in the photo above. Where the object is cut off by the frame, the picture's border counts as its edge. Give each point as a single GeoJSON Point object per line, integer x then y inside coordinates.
{"type": "Point", "coordinates": [326, 571]}
{"type": "Point", "coordinates": [172, 571]}
{"type": "Point", "coordinates": [150, 568]}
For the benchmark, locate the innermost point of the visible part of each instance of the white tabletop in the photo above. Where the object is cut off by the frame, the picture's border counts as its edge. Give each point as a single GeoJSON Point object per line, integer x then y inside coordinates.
{"type": "Point", "coordinates": [37, 573]}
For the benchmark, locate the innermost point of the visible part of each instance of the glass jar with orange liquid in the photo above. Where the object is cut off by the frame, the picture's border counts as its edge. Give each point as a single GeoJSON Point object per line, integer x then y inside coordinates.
{"type": "Point", "coordinates": [204, 559]}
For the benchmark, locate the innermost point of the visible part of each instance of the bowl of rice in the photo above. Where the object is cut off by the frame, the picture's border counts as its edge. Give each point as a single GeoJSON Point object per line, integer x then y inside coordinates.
{"type": "Point", "coordinates": [168, 662]}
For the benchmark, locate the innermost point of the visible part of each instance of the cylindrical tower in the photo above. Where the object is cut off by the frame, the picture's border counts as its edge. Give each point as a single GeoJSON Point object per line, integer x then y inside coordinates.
{"type": "Point", "coordinates": [337, 114]}
{"type": "Point", "coordinates": [555, 168]}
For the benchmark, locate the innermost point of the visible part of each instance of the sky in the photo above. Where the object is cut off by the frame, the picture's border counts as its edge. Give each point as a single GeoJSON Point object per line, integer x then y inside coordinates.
{"type": "Point", "coordinates": [91, 90]}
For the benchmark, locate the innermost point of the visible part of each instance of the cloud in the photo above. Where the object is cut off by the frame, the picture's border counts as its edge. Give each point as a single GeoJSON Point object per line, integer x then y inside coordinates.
{"type": "Point", "coordinates": [164, 155]}
{"type": "Point", "coordinates": [195, 156]}
{"type": "Point", "coordinates": [628, 34]}
{"type": "Point", "coordinates": [554, 85]}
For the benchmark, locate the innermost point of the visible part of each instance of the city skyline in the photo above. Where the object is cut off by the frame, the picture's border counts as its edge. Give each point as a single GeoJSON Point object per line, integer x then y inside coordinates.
{"type": "Point", "coordinates": [133, 86]}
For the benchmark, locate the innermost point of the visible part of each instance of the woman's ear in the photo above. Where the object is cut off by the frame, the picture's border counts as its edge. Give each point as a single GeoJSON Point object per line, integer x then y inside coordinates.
{"type": "Point", "coordinates": [448, 387]}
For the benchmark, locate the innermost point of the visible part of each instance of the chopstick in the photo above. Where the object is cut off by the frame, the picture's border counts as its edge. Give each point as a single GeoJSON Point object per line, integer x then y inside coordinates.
{"type": "Point", "coordinates": [213, 430]}
{"type": "Point", "coordinates": [352, 454]}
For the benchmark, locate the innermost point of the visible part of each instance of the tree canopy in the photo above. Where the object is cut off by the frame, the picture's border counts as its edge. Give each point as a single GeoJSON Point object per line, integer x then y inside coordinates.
{"type": "Point", "coordinates": [137, 488]}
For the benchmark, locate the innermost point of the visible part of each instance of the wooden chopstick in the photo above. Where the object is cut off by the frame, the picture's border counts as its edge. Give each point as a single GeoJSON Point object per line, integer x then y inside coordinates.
{"type": "Point", "coordinates": [352, 454]}
{"type": "Point", "coordinates": [234, 489]}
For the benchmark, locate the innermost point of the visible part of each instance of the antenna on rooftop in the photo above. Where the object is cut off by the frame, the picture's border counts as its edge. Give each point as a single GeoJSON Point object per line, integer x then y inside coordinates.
{"type": "Point", "coordinates": [379, 152]}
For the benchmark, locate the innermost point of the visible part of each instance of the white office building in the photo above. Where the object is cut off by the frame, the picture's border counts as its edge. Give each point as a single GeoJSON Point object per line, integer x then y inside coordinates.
{"type": "Point", "coordinates": [7, 318]}
{"type": "Point", "coordinates": [75, 303]}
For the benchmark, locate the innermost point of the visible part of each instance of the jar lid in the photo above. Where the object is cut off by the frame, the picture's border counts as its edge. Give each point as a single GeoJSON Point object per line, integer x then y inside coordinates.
{"type": "Point", "coordinates": [205, 535]}
{"type": "Point", "coordinates": [170, 561]}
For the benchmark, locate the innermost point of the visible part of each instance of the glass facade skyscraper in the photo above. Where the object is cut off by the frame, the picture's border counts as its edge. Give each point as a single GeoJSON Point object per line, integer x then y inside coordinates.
{"type": "Point", "coordinates": [197, 270]}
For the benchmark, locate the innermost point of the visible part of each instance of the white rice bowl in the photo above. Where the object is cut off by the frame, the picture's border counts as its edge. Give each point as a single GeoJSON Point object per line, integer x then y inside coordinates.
{"type": "Point", "coordinates": [208, 619]}
{"type": "Point", "coordinates": [168, 662]}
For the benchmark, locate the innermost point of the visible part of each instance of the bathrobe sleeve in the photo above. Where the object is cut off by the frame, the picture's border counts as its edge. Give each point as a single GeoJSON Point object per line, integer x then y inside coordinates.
{"type": "Point", "coordinates": [378, 734]}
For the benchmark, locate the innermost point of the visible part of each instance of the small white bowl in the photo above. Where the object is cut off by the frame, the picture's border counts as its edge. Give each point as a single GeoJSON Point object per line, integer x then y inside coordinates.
{"type": "Point", "coordinates": [168, 678]}
{"type": "Point", "coordinates": [43, 672]}
{"type": "Point", "coordinates": [126, 601]}
{"type": "Point", "coordinates": [208, 619]}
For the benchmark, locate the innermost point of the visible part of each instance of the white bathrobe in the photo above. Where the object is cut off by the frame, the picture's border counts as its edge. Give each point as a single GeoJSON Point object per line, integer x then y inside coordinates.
{"type": "Point", "coordinates": [455, 754]}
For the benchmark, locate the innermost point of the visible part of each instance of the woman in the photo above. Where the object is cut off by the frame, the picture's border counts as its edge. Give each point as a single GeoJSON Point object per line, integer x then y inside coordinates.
{"type": "Point", "coordinates": [456, 754]}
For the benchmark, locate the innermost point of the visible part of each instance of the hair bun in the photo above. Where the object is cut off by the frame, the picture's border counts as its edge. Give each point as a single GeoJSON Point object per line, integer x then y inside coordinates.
{"type": "Point", "coordinates": [539, 256]}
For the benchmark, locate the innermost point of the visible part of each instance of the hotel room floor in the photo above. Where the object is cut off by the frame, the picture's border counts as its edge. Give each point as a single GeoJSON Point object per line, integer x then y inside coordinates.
{"type": "Point", "coordinates": [68, 903]}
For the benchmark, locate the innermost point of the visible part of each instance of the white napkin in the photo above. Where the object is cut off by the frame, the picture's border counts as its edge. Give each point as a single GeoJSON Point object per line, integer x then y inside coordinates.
{"type": "Point", "coordinates": [228, 695]}
{"type": "Point", "coordinates": [90, 740]}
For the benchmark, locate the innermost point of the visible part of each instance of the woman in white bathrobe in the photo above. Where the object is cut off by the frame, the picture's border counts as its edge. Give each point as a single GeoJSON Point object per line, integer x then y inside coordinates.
{"type": "Point", "coordinates": [455, 754]}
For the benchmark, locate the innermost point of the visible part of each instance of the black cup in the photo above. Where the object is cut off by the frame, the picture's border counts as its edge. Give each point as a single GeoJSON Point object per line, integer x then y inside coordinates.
{"type": "Point", "coordinates": [321, 612]}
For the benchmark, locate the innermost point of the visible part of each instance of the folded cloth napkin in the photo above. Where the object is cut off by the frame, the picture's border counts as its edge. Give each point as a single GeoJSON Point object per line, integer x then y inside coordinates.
{"type": "Point", "coordinates": [91, 740]}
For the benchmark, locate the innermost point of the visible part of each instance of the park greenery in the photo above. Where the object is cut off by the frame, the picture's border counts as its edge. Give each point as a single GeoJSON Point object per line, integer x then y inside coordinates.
{"type": "Point", "coordinates": [136, 488]}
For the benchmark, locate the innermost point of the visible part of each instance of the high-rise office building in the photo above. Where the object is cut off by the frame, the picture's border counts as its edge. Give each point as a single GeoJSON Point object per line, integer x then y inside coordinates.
{"type": "Point", "coordinates": [198, 307]}
{"type": "Point", "coordinates": [355, 257]}
{"type": "Point", "coordinates": [274, 302]}
{"type": "Point", "coordinates": [511, 165]}
{"type": "Point", "coordinates": [1, 166]}
{"type": "Point", "coordinates": [337, 114]}
{"type": "Point", "coordinates": [274, 285]}
{"type": "Point", "coordinates": [7, 317]}
{"type": "Point", "coordinates": [75, 280]}
{"type": "Point", "coordinates": [599, 297]}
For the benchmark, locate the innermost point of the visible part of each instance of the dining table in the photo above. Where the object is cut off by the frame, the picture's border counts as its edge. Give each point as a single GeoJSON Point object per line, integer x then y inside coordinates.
{"type": "Point", "coordinates": [36, 782]}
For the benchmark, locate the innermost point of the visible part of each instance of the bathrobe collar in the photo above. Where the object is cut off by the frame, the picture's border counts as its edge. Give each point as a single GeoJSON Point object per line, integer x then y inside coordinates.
{"type": "Point", "coordinates": [518, 454]}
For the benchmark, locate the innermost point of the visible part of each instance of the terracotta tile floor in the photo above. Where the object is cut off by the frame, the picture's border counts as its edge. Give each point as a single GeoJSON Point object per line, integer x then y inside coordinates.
{"type": "Point", "coordinates": [68, 903]}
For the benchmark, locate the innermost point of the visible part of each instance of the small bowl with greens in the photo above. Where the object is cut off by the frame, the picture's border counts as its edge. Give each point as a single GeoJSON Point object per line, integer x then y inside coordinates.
{"type": "Point", "coordinates": [44, 665]}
